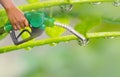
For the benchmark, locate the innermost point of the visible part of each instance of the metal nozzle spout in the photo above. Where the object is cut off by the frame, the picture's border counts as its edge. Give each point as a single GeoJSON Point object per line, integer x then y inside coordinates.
{"type": "Point", "coordinates": [82, 38]}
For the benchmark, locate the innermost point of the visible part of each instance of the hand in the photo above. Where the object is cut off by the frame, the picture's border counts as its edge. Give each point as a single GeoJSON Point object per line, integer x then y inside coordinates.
{"type": "Point", "coordinates": [17, 19]}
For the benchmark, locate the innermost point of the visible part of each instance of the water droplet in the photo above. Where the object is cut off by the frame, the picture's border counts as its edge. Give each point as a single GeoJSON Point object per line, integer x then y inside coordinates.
{"type": "Point", "coordinates": [116, 3]}
{"type": "Point", "coordinates": [110, 37]}
{"type": "Point", "coordinates": [28, 48]}
{"type": "Point", "coordinates": [53, 44]}
{"type": "Point", "coordinates": [66, 8]}
{"type": "Point", "coordinates": [83, 43]}
{"type": "Point", "coordinates": [95, 3]}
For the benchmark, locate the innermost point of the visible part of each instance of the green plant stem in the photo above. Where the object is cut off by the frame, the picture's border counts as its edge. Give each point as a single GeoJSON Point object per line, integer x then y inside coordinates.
{"type": "Point", "coordinates": [45, 4]}
{"type": "Point", "coordinates": [82, 1]}
{"type": "Point", "coordinates": [56, 40]}
{"type": "Point", "coordinates": [38, 5]}
{"type": "Point", "coordinates": [102, 34]}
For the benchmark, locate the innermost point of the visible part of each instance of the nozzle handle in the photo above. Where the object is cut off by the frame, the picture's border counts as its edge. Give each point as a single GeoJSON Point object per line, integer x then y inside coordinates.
{"type": "Point", "coordinates": [34, 34]}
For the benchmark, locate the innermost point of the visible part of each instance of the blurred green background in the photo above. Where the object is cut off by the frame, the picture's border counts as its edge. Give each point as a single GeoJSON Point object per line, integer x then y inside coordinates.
{"type": "Point", "coordinates": [100, 58]}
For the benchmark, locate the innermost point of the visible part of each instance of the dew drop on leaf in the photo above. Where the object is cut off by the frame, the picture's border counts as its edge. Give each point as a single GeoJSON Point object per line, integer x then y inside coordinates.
{"type": "Point", "coordinates": [28, 48]}
{"type": "Point", "coordinates": [116, 3]}
{"type": "Point", "coordinates": [95, 3]}
{"type": "Point", "coordinates": [53, 44]}
{"type": "Point", "coordinates": [83, 43]}
{"type": "Point", "coordinates": [110, 37]}
{"type": "Point", "coordinates": [66, 8]}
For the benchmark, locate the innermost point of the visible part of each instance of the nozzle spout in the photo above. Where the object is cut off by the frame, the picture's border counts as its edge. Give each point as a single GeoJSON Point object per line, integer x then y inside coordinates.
{"type": "Point", "coordinates": [82, 38]}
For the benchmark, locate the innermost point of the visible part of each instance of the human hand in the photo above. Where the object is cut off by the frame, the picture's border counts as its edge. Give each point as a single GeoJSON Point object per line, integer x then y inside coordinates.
{"type": "Point", "coordinates": [17, 18]}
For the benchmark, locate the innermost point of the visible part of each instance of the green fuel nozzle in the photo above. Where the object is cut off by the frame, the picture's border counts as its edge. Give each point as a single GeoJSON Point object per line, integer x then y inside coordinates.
{"type": "Point", "coordinates": [38, 22]}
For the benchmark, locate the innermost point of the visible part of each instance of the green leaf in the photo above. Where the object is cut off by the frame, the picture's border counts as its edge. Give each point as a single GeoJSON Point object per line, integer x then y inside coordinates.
{"type": "Point", "coordinates": [87, 22]}
{"type": "Point", "coordinates": [56, 31]}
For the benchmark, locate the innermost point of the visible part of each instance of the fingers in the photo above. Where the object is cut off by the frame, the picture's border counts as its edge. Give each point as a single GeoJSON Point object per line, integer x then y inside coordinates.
{"type": "Point", "coordinates": [19, 24]}
{"type": "Point", "coordinates": [17, 18]}
{"type": "Point", "coordinates": [26, 22]}
{"type": "Point", "coordinates": [14, 26]}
